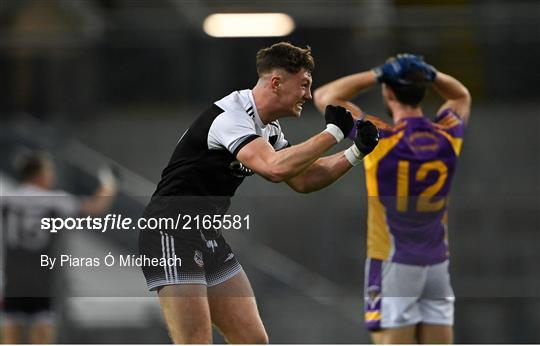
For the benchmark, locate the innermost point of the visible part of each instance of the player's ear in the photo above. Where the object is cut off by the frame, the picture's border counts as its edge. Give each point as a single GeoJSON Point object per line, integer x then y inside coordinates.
{"type": "Point", "coordinates": [388, 93]}
{"type": "Point", "coordinates": [275, 81]}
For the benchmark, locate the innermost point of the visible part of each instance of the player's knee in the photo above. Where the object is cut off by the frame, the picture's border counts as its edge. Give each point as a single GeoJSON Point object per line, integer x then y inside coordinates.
{"type": "Point", "coordinates": [192, 338]}
{"type": "Point", "coordinates": [257, 337]}
{"type": "Point", "coordinates": [194, 335]}
{"type": "Point", "coordinates": [260, 338]}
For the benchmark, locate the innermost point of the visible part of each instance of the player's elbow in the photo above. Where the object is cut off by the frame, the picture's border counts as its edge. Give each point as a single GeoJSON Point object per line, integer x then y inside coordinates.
{"type": "Point", "coordinates": [468, 96]}
{"type": "Point", "coordinates": [465, 102]}
{"type": "Point", "coordinates": [277, 174]}
{"type": "Point", "coordinates": [304, 189]}
{"type": "Point", "coordinates": [275, 177]}
{"type": "Point", "coordinates": [465, 94]}
{"type": "Point", "coordinates": [299, 186]}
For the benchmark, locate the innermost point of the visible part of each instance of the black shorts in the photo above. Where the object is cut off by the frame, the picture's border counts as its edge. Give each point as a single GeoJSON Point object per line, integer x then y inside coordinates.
{"type": "Point", "coordinates": [27, 310]}
{"type": "Point", "coordinates": [206, 262]}
{"type": "Point", "coordinates": [27, 305]}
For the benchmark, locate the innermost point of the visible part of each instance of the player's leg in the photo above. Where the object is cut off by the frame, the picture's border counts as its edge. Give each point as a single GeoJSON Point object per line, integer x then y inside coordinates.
{"type": "Point", "coordinates": [42, 333]}
{"type": "Point", "coordinates": [437, 307]}
{"type": "Point", "coordinates": [181, 286]}
{"type": "Point", "coordinates": [11, 333]}
{"type": "Point", "coordinates": [401, 335]}
{"type": "Point", "coordinates": [41, 320]}
{"type": "Point", "coordinates": [187, 314]}
{"type": "Point", "coordinates": [13, 321]}
{"type": "Point", "coordinates": [234, 311]}
{"type": "Point", "coordinates": [391, 301]}
{"type": "Point", "coordinates": [435, 334]}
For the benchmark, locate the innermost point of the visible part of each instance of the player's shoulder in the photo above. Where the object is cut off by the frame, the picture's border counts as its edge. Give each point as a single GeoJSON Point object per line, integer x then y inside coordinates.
{"type": "Point", "coordinates": [236, 104]}
{"type": "Point", "coordinates": [447, 119]}
{"type": "Point", "coordinates": [450, 123]}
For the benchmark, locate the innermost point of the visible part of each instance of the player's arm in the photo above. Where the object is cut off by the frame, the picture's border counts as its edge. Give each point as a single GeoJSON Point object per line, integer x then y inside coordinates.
{"type": "Point", "coordinates": [102, 198]}
{"type": "Point", "coordinates": [327, 170]}
{"type": "Point", "coordinates": [321, 173]}
{"type": "Point", "coordinates": [281, 165]}
{"type": "Point", "coordinates": [344, 89]}
{"type": "Point", "coordinates": [455, 93]}
{"type": "Point", "coordinates": [278, 166]}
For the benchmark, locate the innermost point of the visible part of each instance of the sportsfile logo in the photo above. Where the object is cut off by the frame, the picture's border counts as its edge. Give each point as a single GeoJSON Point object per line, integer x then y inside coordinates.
{"type": "Point", "coordinates": [109, 222]}
{"type": "Point", "coordinates": [118, 222]}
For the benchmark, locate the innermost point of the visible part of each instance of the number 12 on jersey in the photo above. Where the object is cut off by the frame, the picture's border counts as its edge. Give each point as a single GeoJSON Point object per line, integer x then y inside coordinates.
{"type": "Point", "coordinates": [425, 202]}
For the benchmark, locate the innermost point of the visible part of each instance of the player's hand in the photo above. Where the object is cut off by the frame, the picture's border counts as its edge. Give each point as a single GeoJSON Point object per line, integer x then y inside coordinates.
{"type": "Point", "coordinates": [367, 136]}
{"type": "Point", "coordinates": [430, 71]}
{"type": "Point", "coordinates": [390, 71]}
{"type": "Point", "coordinates": [339, 121]}
{"type": "Point", "coordinates": [397, 68]}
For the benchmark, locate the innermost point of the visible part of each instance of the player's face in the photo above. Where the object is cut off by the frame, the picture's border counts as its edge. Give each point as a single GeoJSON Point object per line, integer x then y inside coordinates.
{"type": "Point", "coordinates": [294, 91]}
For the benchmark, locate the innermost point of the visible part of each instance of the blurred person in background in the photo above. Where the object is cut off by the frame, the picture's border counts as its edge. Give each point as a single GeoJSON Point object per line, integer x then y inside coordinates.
{"type": "Point", "coordinates": [236, 137]}
{"type": "Point", "coordinates": [28, 307]}
{"type": "Point", "coordinates": [408, 295]}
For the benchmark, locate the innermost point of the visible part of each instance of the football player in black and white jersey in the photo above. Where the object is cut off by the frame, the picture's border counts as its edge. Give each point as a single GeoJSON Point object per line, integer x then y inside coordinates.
{"type": "Point", "coordinates": [238, 136]}
{"type": "Point", "coordinates": [28, 309]}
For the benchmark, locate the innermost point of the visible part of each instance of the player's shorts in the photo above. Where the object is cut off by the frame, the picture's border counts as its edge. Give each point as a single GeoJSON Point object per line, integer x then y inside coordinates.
{"type": "Point", "coordinates": [27, 310]}
{"type": "Point", "coordinates": [399, 295]}
{"type": "Point", "coordinates": [201, 261]}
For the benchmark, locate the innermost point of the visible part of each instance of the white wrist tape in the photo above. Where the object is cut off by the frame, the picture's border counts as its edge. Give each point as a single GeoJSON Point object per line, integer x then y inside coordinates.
{"type": "Point", "coordinates": [335, 131]}
{"type": "Point", "coordinates": [353, 155]}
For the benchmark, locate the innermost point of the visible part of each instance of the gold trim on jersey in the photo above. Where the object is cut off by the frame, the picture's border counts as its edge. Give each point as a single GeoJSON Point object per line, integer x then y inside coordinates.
{"type": "Point", "coordinates": [372, 316]}
{"type": "Point", "coordinates": [455, 142]}
{"type": "Point", "coordinates": [379, 242]}
{"type": "Point", "coordinates": [449, 121]}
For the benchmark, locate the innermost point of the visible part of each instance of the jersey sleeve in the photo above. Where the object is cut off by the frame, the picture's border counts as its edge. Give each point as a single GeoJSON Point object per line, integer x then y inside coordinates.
{"type": "Point", "coordinates": [231, 131]}
{"type": "Point", "coordinates": [450, 122]}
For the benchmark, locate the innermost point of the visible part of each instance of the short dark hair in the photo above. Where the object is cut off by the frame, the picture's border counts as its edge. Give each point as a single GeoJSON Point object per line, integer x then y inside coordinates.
{"type": "Point", "coordinates": [284, 55]}
{"type": "Point", "coordinates": [29, 164]}
{"type": "Point", "coordinates": [412, 91]}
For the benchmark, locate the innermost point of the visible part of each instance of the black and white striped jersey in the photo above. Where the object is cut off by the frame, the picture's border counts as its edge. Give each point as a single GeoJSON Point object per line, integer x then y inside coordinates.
{"type": "Point", "coordinates": [204, 162]}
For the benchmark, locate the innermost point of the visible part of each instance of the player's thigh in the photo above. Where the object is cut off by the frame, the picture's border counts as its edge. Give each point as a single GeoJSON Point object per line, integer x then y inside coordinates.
{"type": "Point", "coordinates": [435, 334]}
{"type": "Point", "coordinates": [437, 303]}
{"type": "Point", "coordinates": [392, 292]}
{"type": "Point", "coordinates": [401, 335]}
{"type": "Point", "coordinates": [186, 312]}
{"type": "Point", "coordinates": [11, 333]}
{"type": "Point", "coordinates": [42, 324]}
{"type": "Point", "coordinates": [377, 337]}
{"type": "Point", "coordinates": [42, 333]}
{"type": "Point", "coordinates": [234, 311]}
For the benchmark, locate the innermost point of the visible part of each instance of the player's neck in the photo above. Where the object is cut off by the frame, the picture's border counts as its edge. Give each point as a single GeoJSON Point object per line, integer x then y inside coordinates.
{"type": "Point", "coordinates": [265, 104]}
{"type": "Point", "coordinates": [400, 113]}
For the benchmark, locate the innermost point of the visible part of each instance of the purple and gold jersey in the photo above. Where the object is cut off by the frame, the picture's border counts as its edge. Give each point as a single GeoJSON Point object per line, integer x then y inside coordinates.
{"type": "Point", "coordinates": [408, 178]}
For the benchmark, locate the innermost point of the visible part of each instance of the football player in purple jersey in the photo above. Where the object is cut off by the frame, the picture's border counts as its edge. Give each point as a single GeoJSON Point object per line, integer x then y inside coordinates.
{"type": "Point", "coordinates": [408, 296]}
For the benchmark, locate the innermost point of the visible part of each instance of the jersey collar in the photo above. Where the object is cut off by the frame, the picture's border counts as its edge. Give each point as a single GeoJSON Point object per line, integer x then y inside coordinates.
{"type": "Point", "coordinates": [256, 117]}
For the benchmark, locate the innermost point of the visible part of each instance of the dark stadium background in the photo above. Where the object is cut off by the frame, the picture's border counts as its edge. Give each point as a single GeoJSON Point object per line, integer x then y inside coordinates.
{"type": "Point", "coordinates": [118, 81]}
